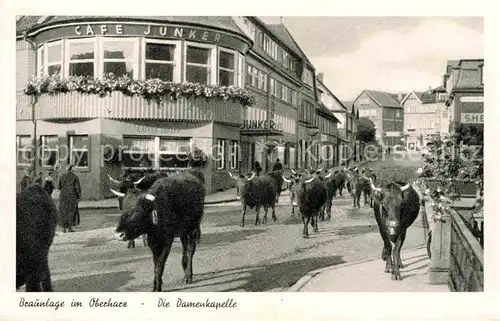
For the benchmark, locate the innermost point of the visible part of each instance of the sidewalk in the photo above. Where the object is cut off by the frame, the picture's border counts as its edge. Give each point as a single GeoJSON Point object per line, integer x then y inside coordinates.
{"type": "Point", "coordinates": [215, 198]}
{"type": "Point", "coordinates": [368, 276]}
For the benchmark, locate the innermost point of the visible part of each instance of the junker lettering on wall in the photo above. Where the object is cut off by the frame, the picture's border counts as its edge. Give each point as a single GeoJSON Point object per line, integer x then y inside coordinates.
{"type": "Point", "coordinates": [260, 125]}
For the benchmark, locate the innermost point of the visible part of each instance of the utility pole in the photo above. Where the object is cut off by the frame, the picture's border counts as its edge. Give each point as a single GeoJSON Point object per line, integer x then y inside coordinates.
{"type": "Point", "coordinates": [34, 101]}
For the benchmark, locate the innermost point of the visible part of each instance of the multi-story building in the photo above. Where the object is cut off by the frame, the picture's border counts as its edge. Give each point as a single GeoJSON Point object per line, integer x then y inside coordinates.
{"type": "Point", "coordinates": [464, 85]}
{"type": "Point", "coordinates": [386, 112]}
{"type": "Point", "coordinates": [242, 52]}
{"type": "Point", "coordinates": [425, 117]}
{"type": "Point", "coordinates": [330, 142]}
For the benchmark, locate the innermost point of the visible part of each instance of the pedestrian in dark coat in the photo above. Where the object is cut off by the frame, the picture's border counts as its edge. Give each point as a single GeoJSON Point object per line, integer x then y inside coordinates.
{"type": "Point", "coordinates": [256, 167]}
{"type": "Point", "coordinates": [39, 180]}
{"type": "Point", "coordinates": [26, 180]}
{"type": "Point", "coordinates": [69, 184]}
{"type": "Point", "coordinates": [48, 186]}
{"type": "Point", "coordinates": [277, 166]}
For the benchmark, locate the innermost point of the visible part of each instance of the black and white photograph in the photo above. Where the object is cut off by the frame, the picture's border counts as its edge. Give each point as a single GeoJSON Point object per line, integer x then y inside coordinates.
{"type": "Point", "coordinates": [247, 154]}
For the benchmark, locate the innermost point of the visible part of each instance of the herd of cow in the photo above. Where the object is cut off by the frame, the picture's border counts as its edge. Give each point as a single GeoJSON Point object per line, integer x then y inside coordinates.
{"type": "Point", "coordinates": [161, 207]}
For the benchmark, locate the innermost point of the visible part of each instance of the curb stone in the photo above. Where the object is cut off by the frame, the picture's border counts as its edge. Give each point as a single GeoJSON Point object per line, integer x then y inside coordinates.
{"type": "Point", "coordinates": [312, 274]}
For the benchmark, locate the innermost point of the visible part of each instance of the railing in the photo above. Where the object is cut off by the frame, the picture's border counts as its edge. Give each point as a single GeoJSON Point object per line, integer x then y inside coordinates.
{"type": "Point", "coordinates": [118, 106]}
{"type": "Point", "coordinates": [466, 259]}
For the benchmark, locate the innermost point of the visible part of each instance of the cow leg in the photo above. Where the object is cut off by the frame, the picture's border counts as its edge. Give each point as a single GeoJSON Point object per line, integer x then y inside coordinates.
{"type": "Point", "coordinates": [145, 239]}
{"type": "Point", "coordinates": [314, 222]}
{"type": "Point", "coordinates": [131, 244]}
{"type": "Point", "coordinates": [273, 207]}
{"type": "Point", "coordinates": [403, 237]}
{"type": "Point", "coordinates": [38, 279]}
{"type": "Point", "coordinates": [188, 249]}
{"type": "Point", "coordinates": [365, 196]}
{"type": "Point", "coordinates": [257, 214]}
{"type": "Point", "coordinates": [243, 212]}
{"type": "Point", "coordinates": [387, 249]}
{"type": "Point", "coordinates": [306, 220]}
{"type": "Point", "coordinates": [293, 211]}
{"type": "Point", "coordinates": [160, 246]}
{"type": "Point", "coordinates": [396, 254]}
{"type": "Point", "coordinates": [45, 280]}
{"type": "Point", "coordinates": [340, 191]}
{"type": "Point", "coordinates": [264, 220]}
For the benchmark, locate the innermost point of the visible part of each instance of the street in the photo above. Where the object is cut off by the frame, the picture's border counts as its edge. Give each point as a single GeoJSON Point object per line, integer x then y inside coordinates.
{"type": "Point", "coordinates": [268, 257]}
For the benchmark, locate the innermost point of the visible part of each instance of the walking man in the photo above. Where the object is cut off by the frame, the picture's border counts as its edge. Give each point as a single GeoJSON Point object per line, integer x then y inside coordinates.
{"type": "Point", "coordinates": [69, 184]}
{"type": "Point", "coordinates": [26, 181]}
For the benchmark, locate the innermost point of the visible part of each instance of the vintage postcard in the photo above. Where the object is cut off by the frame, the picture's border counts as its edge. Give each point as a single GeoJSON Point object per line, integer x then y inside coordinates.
{"type": "Point", "coordinates": [206, 155]}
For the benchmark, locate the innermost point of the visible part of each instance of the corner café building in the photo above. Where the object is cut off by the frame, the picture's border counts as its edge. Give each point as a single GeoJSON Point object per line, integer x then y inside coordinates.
{"type": "Point", "coordinates": [207, 50]}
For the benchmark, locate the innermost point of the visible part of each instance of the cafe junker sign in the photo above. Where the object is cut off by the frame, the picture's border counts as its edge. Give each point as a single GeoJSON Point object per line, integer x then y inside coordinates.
{"type": "Point", "coordinates": [153, 30]}
{"type": "Point", "coordinates": [259, 125]}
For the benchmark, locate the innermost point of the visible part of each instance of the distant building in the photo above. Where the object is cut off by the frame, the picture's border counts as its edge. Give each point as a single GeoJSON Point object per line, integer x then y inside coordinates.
{"type": "Point", "coordinates": [425, 116]}
{"type": "Point", "coordinates": [464, 85]}
{"type": "Point", "coordinates": [386, 112]}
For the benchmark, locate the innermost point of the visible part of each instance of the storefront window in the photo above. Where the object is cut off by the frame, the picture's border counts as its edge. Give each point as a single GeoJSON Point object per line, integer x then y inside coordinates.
{"type": "Point", "coordinates": [79, 151]}
{"type": "Point", "coordinates": [234, 154]}
{"type": "Point", "coordinates": [119, 57]}
{"type": "Point", "coordinates": [49, 145]}
{"type": "Point", "coordinates": [81, 57]}
{"type": "Point", "coordinates": [160, 60]}
{"type": "Point", "coordinates": [138, 152]}
{"type": "Point", "coordinates": [41, 60]}
{"type": "Point", "coordinates": [174, 153]}
{"type": "Point", "coordinates": [24, 150]}
{"type": "Point", "coordinates": [54, 58]}
{"type": "Point", "coordinates": [198, 64]}
{"type": "Point", "coordinates": [226, 68]}
{"type": "Point", "coordinates": [221, 154]}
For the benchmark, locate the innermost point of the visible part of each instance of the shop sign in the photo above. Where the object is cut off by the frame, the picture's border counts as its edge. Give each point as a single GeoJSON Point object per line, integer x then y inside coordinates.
{"type": "Point", "coordinates": [392, 134]}
{"type": "Point", "coordinates": [153, 30]}
{"type": "Point", "coordinates": [472, 99]}
{"type": "Point", "coordinates": [472, 118]}
{"type": "Point", "coordinates": [260, 125]}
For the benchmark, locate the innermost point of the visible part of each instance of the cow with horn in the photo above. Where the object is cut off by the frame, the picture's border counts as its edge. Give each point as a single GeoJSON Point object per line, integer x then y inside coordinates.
{"type": "Point", "coordinates": [133, 182]}
{"type": "Point", "coordinates": [258, 192]}
{"type": "Point", "coordinates": [396, 207]}
{"type": "Point", "coordinates": [310, 196]}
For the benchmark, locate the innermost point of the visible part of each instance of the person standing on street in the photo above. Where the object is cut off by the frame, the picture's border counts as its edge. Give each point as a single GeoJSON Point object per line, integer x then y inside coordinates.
{"type": "Point", "coordinates": [277, 166]}
{"type": "Point", "coordinates": [69, 184]}
{"type": "Point", "coordinates": [26, 181]}
{"type": "Point", "coordinates": [39, 180]}
{"type": "Point", "coordinates": [256, 167]}
{"type": "Point", "coordinates": [48, 186]}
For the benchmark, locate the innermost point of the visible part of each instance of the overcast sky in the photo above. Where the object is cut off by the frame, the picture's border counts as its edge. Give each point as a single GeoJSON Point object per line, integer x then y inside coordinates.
{"type": "Point", "coordinates": [384, 53]}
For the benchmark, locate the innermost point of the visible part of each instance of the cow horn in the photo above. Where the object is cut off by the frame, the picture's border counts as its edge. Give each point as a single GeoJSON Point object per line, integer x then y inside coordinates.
{"type": "Point", "coordinates": [310, 180]}
{"type": "Point", "coordinates": [293, 171]}
{"type": "Point", "coordinates": [150, 197]}
{"type": "Point", "coordinates": [378, 189]}
{"type": "Point", "coordinates": [253, 175]}
{"type": "Point", "coordinates": [404, 188]}
{"type": "Point", "coordinates": [231, 175]}
{"type": "Point", "coordinates": [113, 180]}
{"type": "Point", "coordinates": [319, 170]}
{"type": "Point", "coordinates": [135, 183]}
{"type": "Point", "coordinates": [117, 193]}
{"type": "Point", "coordinates": [286, 180]}
{"type": "Point", "coordinates": [329, 174]}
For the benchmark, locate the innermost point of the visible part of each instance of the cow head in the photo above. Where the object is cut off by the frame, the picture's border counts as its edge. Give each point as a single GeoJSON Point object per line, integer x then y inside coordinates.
{"type": "Point", "coordinates": [241, 182]}
{"type": "Point", "coordinates": [389, 200]}
{"type": "Point", "coordinates": [138, 216]}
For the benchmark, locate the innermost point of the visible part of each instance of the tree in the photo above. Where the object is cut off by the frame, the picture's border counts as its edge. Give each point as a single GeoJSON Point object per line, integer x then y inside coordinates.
{"type": "Point", "coordinates": [366, 130]}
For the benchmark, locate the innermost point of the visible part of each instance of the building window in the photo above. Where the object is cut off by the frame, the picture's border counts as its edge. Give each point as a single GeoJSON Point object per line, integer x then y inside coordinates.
{"type": "Point", "coordinates": [234, 154]}
{"type": "Point", "coordinates": [284, 93]}
{"type": "Point", "coordinates": [227, 68]}
{"type": "Point", "coordinates": [221, 154]}
{"type": "Point", "coordinates": [257, 78]}
{"type": "Point", "coordinates": [308, 77]}
{"type": "Point", "coordinates": [50, 147]}
{"type": "Point", "coordinates": [138, 152]}
{"type": "Point", "coordinates": [81, 57]}
{"type": "Point", "coordinates": [271, 85]}
{"type": "Point", "coordinates": [198, 64]}
{"type": "Point", "coordinates": [173, 153]}
{"type": "Point", "coordinates": [160, 59]}
{"type": "Point", "coordinates": [50, 59]}
{"type": "Point", "coordinates": [441, 97]}
{"type": "Point", "coordinates": [24, 150]}
{"type": "Point", "coordinates": [120, 57]}
{"type": "Point", "coordinates": [79, 151]}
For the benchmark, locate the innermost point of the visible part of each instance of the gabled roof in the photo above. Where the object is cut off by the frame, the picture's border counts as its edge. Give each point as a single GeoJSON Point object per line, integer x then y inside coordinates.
{"type": "Point", "coordinates": [327, 89]}
{"type": "Point", "coordinates": [347, 103]}
{"type": "Point", "coordinates": [284, 35]}
{"type": "Point", "coordinates": [324, 110]}
{"type": "Point", "coordinates": [451, 64]}
{"type": "Point", "coordinates": [218, 22]}
{"type": "Point", "coordinates": [417, 94]}
{"type": "Point", "coordinates": [383, 99]}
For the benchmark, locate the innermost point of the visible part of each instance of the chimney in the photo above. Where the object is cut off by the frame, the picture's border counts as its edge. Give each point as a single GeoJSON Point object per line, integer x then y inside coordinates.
{"type": "Point", "coordinates": [320, 76]}
{"type": "Point", "coordinates": [400, 97]}
{"type": "Point", "coordinates": [430, 90]}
